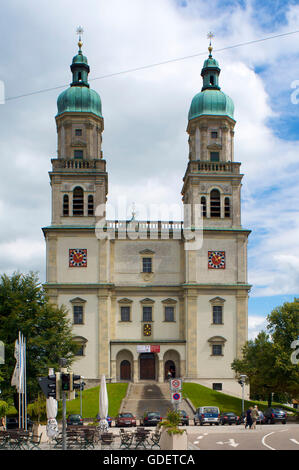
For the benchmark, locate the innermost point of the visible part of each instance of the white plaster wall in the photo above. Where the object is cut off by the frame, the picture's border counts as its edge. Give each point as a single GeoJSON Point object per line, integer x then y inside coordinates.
{"type": "Point", "coordinates": [161, 330]}
{"type": "Point", "coordinates": [166, 262]}
{"type": "Point", "coordinates": [87, 365]}
{"type": "Point", "coordinates": [216, 366]}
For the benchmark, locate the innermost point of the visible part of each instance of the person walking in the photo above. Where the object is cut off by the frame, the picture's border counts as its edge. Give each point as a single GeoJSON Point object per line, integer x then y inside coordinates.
{"type": "Point", "coordinates": [254, 416]}
{"type": "Point", "coordinates": [248, 421]}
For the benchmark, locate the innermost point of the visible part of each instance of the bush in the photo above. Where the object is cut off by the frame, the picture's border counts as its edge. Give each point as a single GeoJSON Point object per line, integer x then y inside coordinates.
{"type": "Point", "coordinates": [172, 423]}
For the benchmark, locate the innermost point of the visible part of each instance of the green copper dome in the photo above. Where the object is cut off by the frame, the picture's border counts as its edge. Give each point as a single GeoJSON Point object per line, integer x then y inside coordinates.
{"type": "Point", "coordinates": [211, 100]}
{"type": "Point", "coordinates": [79, 98]}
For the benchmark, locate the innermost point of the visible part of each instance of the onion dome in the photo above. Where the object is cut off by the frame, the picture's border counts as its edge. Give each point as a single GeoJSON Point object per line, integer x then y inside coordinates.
{"type": "Point", "coordinates": [79, 97]}
{"type": "Point", "coordinates": [211, 100]}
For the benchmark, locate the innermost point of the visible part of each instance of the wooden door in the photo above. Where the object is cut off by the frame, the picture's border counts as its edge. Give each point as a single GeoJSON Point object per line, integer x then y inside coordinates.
{"type": "Point", "coordinates": [147, 366]}
{"type": "Point", "coordinates": [125, 370]}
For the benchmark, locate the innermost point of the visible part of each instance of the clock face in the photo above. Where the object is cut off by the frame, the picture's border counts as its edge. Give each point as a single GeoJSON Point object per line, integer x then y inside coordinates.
{"type": "Point", "coordinates": [147, 329]}
{"type": "Point", "coordinates": [216, 259]}
{"type": "Point", "coordinates": [77, 258]}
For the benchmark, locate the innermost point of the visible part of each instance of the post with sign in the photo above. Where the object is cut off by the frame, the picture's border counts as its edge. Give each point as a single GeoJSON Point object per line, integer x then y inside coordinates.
{"type": "Point", "coordinates": [176, 395]}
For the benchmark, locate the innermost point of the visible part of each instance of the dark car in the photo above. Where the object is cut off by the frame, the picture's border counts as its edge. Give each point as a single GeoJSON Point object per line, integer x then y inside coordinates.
{"type": "Point", "coordinates": [229, 418]}
{"type": "Point", "coordinates": [13, 423]}
{"type": "Point", "coordinates": [275, 415]}
{"type": "Point", "coordinates": [184, 417]}
{"type": "Point", "coordinates": [74, 420]}
{"type": "Point", "coordinates": [151, 418]}
{"type": "Point", "coordinates": [108, 419]}
{"type": "Point", "coordinates": [125, 419]}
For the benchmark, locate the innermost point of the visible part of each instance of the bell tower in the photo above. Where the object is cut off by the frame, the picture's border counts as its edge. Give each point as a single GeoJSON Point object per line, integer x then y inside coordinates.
{"type": "Point", "coordinates": [78, 178]}
{"type": "Point", "coordinates": [212, 178]}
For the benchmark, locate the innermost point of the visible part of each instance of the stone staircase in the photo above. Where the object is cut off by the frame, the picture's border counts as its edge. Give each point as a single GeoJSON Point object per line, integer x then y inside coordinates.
{"type": "Point", "coordinates": [150, 396]}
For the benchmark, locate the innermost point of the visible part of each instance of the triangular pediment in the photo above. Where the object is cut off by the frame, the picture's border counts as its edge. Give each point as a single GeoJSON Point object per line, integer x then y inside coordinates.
{"type": "Point", "coordinates": [77, 300]}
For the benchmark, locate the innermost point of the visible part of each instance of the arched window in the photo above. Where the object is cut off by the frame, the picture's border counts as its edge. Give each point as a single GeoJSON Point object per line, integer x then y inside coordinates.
{"type": "Point", "coordinates": [212, 82]}
{"type": "Point", "coordinates": [78, 201]}
{"type": "Point", "coordinates": [227, 207]}
{"type": "Point", "coordinates": [90, 205]}
{"type": "Point", "coordinates": [215, 203]}
{"type": "Point", "coordinates": [203, 202]}
{"type": "Point", "coordinates": [65, 208]}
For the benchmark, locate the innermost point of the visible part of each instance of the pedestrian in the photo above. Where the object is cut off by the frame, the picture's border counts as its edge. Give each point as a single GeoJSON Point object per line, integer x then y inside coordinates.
{"type": "Point", "coordinates": [254, 416]}
{"type": "Point", "coordinates": [169, 374]}
{"type": "Point", "coordinates": [248, 421]}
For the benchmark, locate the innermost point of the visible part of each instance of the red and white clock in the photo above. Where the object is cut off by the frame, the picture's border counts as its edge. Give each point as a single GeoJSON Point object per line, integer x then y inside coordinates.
{"type": "Point", "coordinates": [77, 258]}
{"type": "Point", "coordinates": [216, 259]}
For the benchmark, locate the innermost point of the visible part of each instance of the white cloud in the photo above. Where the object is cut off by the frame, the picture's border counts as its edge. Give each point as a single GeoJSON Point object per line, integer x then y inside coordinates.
{"type": "Point", "coordinates": [145, 112]}
{"type": "Point", "coordinates": [255, 325]}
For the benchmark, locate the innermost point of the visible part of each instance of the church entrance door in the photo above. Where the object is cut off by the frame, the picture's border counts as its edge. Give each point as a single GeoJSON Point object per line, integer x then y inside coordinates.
{"type": "Point", "coordinates": [125, 370]}
{"type": "Point", "coordinates": [147, 366]}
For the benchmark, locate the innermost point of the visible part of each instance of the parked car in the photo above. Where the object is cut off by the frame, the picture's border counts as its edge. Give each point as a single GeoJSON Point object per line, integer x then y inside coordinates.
{"type": "Point", "coordinates": [13, 423]}
{"type": "Point", "coordinates": [151, 418]}
{"type": "Point", "coordinates": [125, 419]}
{"type": "Point", "coordinates": [275, 415]}
{"type": "Point", "coordinates": [184, 417]}
{"type": "Point", "coordinates": [229, 418]}
{"type": "Point", "coordinates": [108, 419]}
{"type": "Point", "coordinates": [207, 415]}
{"type": "Point", "coordinates": [74, 420]}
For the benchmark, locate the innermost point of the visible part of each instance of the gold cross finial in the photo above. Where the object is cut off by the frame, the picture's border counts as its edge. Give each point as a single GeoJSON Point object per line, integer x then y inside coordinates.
{"type": "Point", "coordinates": [210, 35]}
{"type": "Point", "coordinates": [80, 32]}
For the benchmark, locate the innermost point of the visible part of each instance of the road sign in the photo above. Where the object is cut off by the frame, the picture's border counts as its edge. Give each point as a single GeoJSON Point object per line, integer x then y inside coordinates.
{"type": "Point", "coordinates": [176, 384]}
{"type": "Point", "coordinates": [176, 397]}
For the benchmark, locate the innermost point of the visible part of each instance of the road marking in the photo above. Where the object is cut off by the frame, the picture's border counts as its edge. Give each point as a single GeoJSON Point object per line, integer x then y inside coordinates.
{"type": "Point", "coordinates": [295, 442]}
{"type": "Point", "coordinates": [263, 441]}
{"type": "Point", "coordinates": [230, 442]}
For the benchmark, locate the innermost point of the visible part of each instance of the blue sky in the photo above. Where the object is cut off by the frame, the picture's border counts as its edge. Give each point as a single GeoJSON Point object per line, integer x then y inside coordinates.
{"type": "Point", "coordinates": [146, 116]}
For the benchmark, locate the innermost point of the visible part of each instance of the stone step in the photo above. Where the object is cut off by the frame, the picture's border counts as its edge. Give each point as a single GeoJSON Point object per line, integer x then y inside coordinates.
{"type": "Point", "coordinates": [143, 397]}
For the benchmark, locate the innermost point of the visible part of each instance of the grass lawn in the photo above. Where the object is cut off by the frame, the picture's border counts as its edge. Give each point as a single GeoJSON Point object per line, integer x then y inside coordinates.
{"type": "Point", "coordinates": [202, 396]}
{"type": "Point", "coordinates": [90, 401]}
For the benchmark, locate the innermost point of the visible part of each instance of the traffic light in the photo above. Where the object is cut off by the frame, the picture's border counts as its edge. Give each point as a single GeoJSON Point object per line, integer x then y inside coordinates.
{"type": "Point", "coordinates": [50, 385]}
{"type": "Point", "coordinates": [65, 382]}
{"type": "Point", "coordinates": [74, 385]}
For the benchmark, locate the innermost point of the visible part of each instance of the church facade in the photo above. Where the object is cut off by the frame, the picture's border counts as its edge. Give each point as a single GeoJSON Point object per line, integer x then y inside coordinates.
{"type": "Point", "coordinates": [145, 299]}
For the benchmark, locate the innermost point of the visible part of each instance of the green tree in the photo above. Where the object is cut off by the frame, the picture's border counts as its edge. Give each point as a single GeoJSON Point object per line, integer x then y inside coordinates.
{"type": "Point", "coordinates": [267, 359]}
{"type": "Point", "coordinates": [25, 307]}
{"type": "Point", "coordinates": [283, 326]}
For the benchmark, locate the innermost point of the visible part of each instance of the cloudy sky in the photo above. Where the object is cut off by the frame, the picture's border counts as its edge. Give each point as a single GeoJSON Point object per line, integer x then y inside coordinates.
{"type": "Point", "coordinates": [145, 142]}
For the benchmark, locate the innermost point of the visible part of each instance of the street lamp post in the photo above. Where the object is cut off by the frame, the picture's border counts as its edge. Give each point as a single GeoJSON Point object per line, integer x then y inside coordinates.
{"type": "Point", "coordinates": [242, 383]}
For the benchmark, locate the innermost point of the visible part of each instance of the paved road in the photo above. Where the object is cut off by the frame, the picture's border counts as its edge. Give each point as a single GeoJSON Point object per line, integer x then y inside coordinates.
{"type": "Point", "coordinates": [265, 437]}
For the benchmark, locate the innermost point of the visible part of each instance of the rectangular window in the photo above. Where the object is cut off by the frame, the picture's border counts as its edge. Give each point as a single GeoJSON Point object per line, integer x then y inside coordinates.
{"type": "Point", "coordinates": [169, 313]}
{"type": "Point", "coordinates": [214, 134]}
{"type": "Point", "coordinates": [78, 132]}
{"type": "Point", "coordinates": [217, 350]}
{"type": "Point", "coordinates": [125, 313]}
{"type": "Point", "coordinates": [78, 154]}
{"type": "Point", "coordinates": [217, 315]}
{"type": "Point", "coordinates": [217, 386]}
{"type": "Point", "coordinates": [214, 156]}
{"type": "Point", "coordinates": [147, 265]}
{"type": "Point", "coordinates": [147, 314]}
{"type": "Point", "coordinates": [78, 314]}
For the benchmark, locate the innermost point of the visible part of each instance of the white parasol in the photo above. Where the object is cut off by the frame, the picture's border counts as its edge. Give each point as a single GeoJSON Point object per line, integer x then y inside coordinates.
{"type": "Point", "coordinates": [52, 426]}
{"type": "Point", "coordinates": [103, 405]}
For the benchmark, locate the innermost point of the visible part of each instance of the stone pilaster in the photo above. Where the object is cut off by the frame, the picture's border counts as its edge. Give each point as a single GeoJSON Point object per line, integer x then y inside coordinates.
{"type": "Point", "coordinates": [242, 322]}
{"type": "Point", "coordinates": [191, 335]}
{"type": "Point", "coordinates": [103, 334]}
